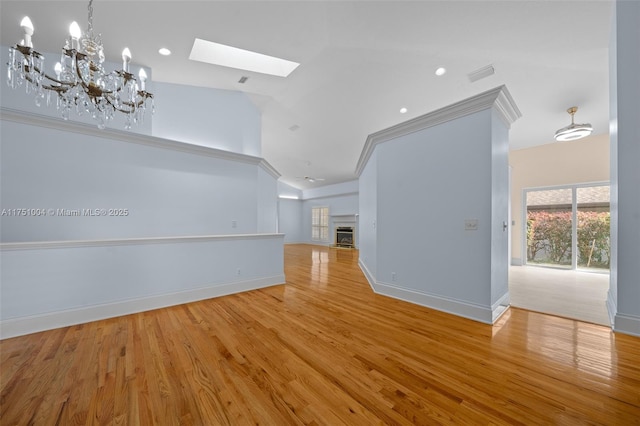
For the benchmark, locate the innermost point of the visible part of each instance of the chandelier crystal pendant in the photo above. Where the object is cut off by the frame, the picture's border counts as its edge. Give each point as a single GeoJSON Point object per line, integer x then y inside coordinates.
{"type": "Point", "coordinates": [80, 81]}
{"type": "Point", "coordinates": [573, 131]}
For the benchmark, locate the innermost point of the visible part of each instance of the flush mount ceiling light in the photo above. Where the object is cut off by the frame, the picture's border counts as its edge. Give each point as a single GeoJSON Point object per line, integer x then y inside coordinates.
{"type": "Point", "coordinates": [81, 81]}
{"type": "Point", "coordinates": [232, 57]}
{"type": "Point", "coordinates": [164, 51]}
{"type": "Point", "coordinates": [403, 110]}
{"type": "Point", "coordinates": [441, 71]}
{"type": "Point", "coordinates": [573, 131]}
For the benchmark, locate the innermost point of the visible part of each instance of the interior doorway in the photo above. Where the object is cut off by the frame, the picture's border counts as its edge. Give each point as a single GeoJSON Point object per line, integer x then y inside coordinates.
{"type": "Point", "coordinates": [567, 246]}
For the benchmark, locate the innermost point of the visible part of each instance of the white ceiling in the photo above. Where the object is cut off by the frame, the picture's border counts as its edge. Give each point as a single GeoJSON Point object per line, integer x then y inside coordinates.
{"type": "Point", "coordinates": [361, 61]}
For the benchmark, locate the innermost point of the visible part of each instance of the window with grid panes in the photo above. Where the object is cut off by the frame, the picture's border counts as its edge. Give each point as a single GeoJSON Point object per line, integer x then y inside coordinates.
{"type": "Point", "coordinates": [320, 223]}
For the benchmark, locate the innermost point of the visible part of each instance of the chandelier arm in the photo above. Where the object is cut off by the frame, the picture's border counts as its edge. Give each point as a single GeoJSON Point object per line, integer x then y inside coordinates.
{"type": "Point", "coordinates": [117, 108]}
{"type": "Point", "coordinates": [88, 87]}
{"type": "Point", "coordinates": [63, 86]}
{"type": "Point", "coordinates": [27, 51]}
{"type": "Point", "coordinates": [77, 67]}
{"type": "Point", "coordinates": [132, 105]}
{"type": "Point", "coordinates": [96, 90]}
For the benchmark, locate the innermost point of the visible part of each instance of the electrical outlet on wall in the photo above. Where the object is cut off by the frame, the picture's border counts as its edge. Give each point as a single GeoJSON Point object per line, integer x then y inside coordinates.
{"type": "Point", "coordinates": [393, 277]}
{"type": "Point", "coordinates": [234, 223]}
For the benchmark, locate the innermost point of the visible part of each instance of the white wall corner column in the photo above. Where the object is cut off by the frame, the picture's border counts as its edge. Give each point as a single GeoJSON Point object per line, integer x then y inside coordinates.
{"type": "Point", "coordinates": [623, 300]}
{"type": "Point", "coordinates": [440, 185]}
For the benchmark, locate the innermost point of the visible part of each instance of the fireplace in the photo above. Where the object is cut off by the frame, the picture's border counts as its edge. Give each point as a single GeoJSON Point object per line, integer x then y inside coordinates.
{"type": "Point", "coordinates": [344, 236]}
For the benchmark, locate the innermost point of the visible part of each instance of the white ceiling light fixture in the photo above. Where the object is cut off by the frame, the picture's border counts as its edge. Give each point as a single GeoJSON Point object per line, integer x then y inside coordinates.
{"type": "Point", "coordinates": [164, 51]}
{"type": "Point", "coordinates": [441, 71]}
{"type": "Point", "coordinates": [573, 131]}
{"type": "Point", "coordinates": [81, 81]}
{"type": "Point", "coordinates": [232, 57]}
{"type": "Point", "coordinates": [403, 110]}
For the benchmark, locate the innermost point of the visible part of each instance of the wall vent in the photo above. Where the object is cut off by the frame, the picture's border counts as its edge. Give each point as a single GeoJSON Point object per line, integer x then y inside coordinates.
{"type": "Point", "coordinates": [481, 73]}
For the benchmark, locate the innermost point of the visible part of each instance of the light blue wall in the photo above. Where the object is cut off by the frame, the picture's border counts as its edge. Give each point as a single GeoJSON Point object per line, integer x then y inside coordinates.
{"type": "Point", "coordinates": [166, 193]}
{"type": "Point", "coordinates": [290, 220]}
{"type": "Point", "coordinates": [624, 293]}
{"type": "Point", "coordinates": [45, 287]}
{"type": "Point", "coordinates": [368, 208]}
{"type": "Point", "coordinates": [433, 201]}
{"type": "Point", "coordinates": [267, 194]}
{"type": "Point", "coordinates": [215, 118]}
{"type": "Point", "coordinates": [426, 191]}
{"type": "Point", "coordinates": [189, 223]}
{"type": "Point", "coordinates": [290, 213]}
{"type": "Point", "coordinates": [500, 205]}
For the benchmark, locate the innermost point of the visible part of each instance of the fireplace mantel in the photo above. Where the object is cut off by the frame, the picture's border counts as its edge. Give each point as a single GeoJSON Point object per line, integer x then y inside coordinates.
{"type": "Point", "coordinates": [344, 218]}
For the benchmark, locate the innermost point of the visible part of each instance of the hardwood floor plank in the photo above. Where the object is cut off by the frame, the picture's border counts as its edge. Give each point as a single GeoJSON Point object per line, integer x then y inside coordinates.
{"type": "Point", "coordinates": [323, 349]}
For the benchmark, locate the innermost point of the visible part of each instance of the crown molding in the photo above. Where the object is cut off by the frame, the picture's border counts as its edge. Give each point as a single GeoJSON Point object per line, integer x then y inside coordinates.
{"type": "Point", "coordinates": [264, 165]}
{"type": "Point", "coordinates": [498, 98]}
{"type": "Point", "coordinates": [29, 118]}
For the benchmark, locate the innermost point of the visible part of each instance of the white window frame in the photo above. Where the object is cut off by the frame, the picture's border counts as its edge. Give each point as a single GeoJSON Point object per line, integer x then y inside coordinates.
{"type": "Point", "coordinates": [320, 223]}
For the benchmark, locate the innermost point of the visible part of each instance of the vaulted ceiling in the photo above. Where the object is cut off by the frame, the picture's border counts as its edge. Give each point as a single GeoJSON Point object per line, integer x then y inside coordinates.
{"type": "Point", "coordinates": [361, 62]}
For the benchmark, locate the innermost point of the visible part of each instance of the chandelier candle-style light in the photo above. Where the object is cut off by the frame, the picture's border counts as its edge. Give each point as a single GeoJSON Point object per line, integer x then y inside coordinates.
{"type": "Point", "coordinates": [80, 81]}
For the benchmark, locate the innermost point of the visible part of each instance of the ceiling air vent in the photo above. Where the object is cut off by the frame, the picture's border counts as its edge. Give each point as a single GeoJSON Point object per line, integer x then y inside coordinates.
{"type": "Point", "coordinates": [481, 73]}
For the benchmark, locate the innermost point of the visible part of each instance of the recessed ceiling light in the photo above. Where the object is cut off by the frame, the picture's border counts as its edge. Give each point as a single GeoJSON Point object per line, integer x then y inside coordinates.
{"type": "Point", "coordinates": [164, 51]}
{"type": "Point", "coordinates": [232, 57]}
{"type": "Point", "coordinates": [403, 110]}
{"type": "Point", "coordinates": [441, 71]}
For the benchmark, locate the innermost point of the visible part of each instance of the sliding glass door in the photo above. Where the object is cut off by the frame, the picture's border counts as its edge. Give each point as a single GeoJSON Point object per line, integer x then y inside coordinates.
{"type": "Point", "coordinates": [568, 227]}
{"type": "Point", "coordinates": [594, 216]}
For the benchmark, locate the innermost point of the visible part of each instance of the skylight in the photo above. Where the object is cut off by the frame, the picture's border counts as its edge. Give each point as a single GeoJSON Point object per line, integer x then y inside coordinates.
{"type": "Point", "coordinates": [232, 57]}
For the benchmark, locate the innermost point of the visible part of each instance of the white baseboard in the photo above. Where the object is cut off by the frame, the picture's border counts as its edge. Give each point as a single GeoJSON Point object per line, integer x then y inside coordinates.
{"type": "Point", "coordinates": [612, 309]}
{"type": "Point", "coordinates": [627, 324]}
{"type": "Point", "coordinates": [368, 275]}
{"type": "Point", "coordinates": [500, 307]}
{"type": "Point", "coordinates": [32, 324]}
{"type": "Point", "coordinates": [471, 311]}
{"type": "Point", "coordinates": [479, 313]}
{"type": "Point", "coordinates": [516, 261]}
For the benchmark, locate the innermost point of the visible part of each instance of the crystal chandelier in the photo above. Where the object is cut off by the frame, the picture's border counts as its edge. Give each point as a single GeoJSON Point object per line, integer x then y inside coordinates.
{"type": "Point", "coordinates": [80, 80]}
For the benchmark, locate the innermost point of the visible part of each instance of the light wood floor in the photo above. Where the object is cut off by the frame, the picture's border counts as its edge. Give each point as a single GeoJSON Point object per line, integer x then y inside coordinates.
{"type": "Point", "coordinates": [322, 349]}
{"type": "Point", "coordinates": [572, 294]}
